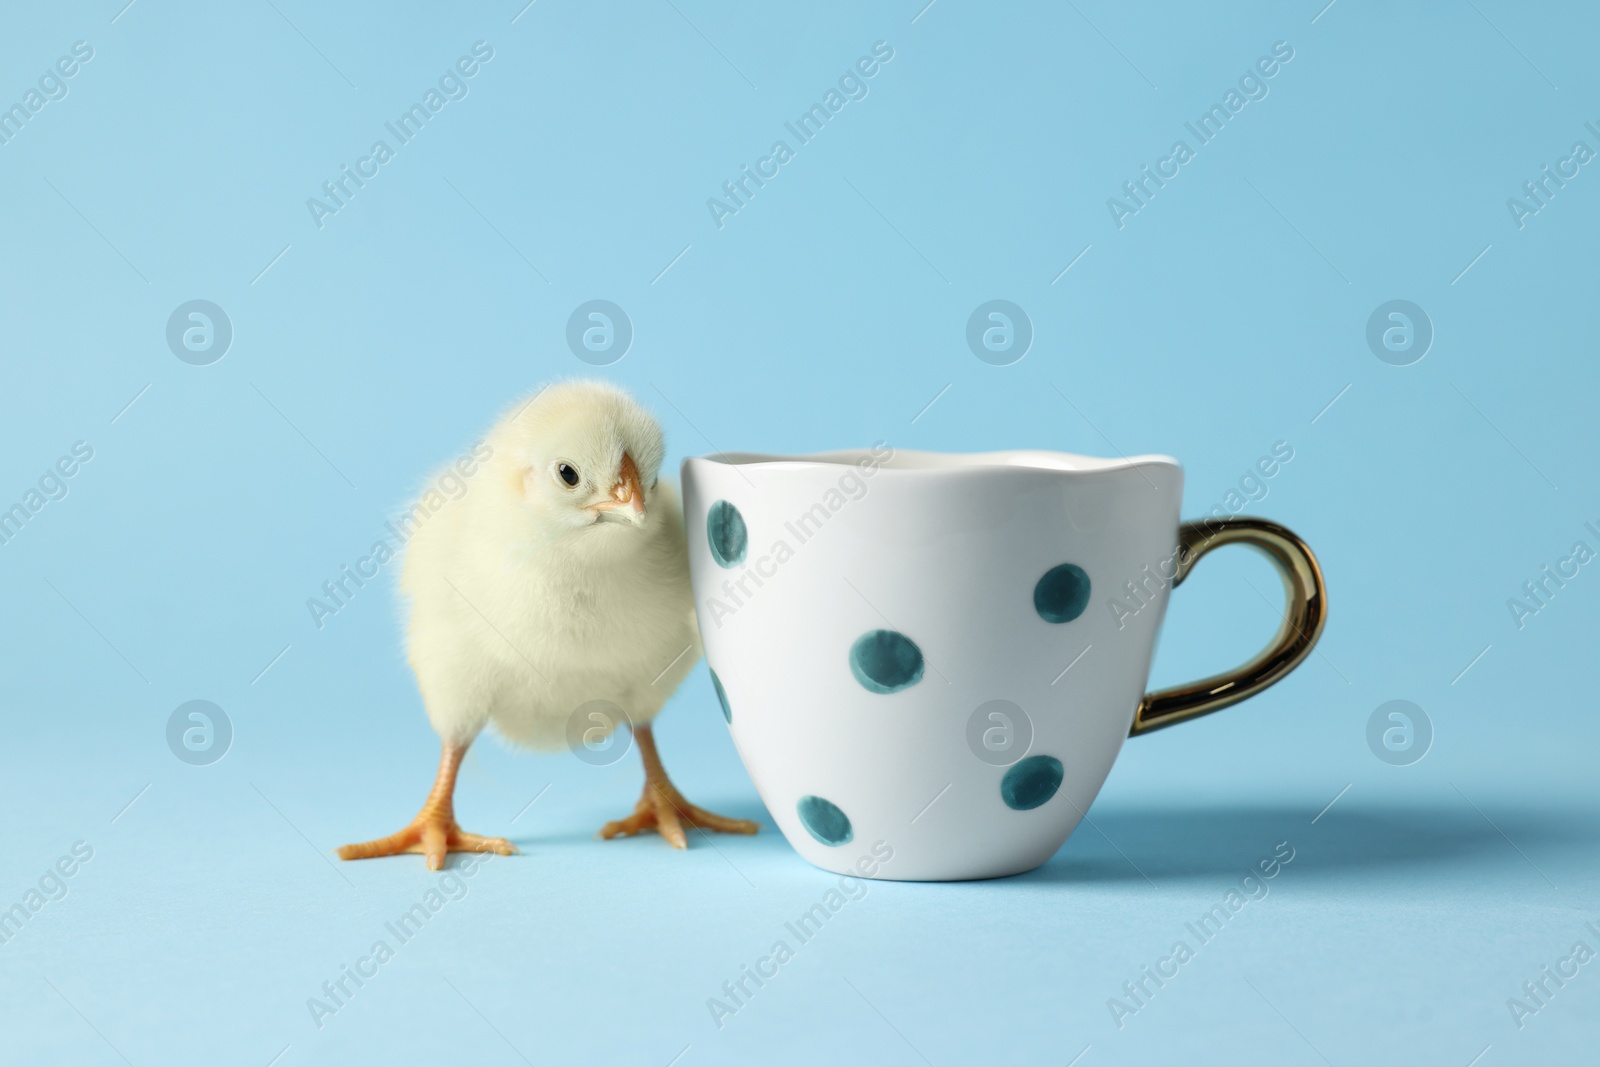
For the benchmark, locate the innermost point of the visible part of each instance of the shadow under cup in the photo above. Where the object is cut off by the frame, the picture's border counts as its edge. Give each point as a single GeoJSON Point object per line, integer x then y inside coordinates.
{"type": "Point", "coordinates": [929, 662]}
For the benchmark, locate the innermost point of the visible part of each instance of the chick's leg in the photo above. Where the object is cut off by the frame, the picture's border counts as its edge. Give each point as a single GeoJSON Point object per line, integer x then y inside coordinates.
{"type": "Point", "coordinates": [662, 808]}
{"type": "Point", "coordinates": [434, 831]}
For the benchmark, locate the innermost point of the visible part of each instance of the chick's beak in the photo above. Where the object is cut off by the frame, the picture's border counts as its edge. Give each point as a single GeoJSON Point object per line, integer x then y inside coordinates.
{"type": "Point", "coordinates": [627, 496]}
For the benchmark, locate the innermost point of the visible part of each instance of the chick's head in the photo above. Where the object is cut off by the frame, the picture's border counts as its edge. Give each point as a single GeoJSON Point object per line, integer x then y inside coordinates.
{"type": "Point", "coordinates": [583, 454]}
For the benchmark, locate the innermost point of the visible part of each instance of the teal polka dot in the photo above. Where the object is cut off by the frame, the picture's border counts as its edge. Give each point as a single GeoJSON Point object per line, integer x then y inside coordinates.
{"type": "Point", "coordinates": [824, 821]}
{"type": "Point", "coordinates": [722, 697]}
{"type": "Point", "coordinates": [1031, 782]}
{"type": "Point", "coordinates": [726, 531]}
{"type": "Point", "coordinates": [1062, 593]}
{"type": "Point", "coordinates": [885, 661]}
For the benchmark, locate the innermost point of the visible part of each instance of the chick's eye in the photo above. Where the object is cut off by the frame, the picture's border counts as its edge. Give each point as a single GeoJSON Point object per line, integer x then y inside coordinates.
{"type": "Point", "coordinates": [568, 473]}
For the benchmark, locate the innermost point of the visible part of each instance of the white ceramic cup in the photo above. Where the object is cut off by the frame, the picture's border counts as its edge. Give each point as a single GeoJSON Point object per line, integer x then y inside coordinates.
{"type": "Point", "coordinates": [929, 662]}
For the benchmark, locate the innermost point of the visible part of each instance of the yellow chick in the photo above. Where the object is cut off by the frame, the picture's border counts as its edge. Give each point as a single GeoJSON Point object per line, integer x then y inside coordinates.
{"type": "Point", "coordinates": [560, 578]}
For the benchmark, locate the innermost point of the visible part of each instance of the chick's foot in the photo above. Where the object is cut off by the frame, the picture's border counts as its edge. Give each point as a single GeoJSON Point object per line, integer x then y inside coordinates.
{"type": "Point", "coordinates": [663, 809]}
{"type": "Point", "coordinates": [434, 832]}
{"type": "Point", "coordinates": [433, 835]}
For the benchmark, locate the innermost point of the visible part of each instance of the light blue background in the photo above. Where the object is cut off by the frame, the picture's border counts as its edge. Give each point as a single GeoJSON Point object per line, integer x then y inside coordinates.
{"type": "Point", "coordinates": [1224, 317]}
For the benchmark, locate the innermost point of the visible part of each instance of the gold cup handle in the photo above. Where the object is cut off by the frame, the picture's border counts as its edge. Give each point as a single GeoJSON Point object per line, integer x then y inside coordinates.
{"type": "Point", "coordinates": [1302, 622]}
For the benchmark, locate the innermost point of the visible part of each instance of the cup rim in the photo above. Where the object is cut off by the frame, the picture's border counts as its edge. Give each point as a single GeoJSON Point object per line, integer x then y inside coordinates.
{"type": "Point", "coordinates": [910, 461]}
